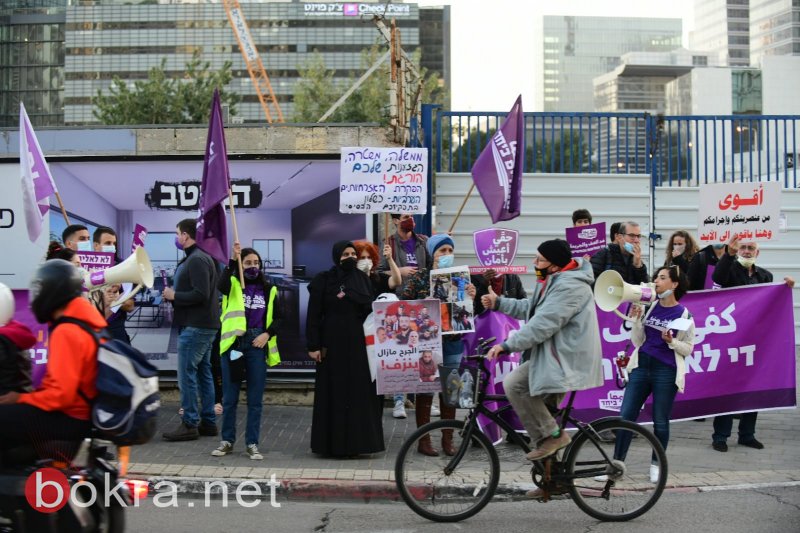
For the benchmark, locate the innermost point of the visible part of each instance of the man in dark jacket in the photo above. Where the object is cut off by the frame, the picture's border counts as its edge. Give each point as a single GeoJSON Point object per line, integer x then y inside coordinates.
{"type": "Point", "coordinates": [195, 300]}
{"type": "Point", "coordinates": [625, 258]}
{"type": "Point", "coordinates": [505, 285]}
{"type": "Point", "coordinates": [699, 277]}
{"type": "Point", "coordinates": [737, 268]}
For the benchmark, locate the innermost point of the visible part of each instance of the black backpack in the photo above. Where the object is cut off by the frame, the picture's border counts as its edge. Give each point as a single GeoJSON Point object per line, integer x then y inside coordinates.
{"type": "Point", "coordinates": [125, 410]}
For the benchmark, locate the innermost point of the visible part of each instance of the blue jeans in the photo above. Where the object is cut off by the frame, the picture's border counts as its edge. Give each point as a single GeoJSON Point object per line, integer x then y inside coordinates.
{"type": "Point", "coordinates": [255, 361]}
{"type": "Point", "coordinates": [194, 374]}
{"type": "Point", "coordinates": [650, 377]}
{"type": "Point", "coordinates": [724, 424]}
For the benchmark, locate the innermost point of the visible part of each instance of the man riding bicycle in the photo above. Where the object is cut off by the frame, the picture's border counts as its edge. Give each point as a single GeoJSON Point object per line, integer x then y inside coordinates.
{"type": "Point", "coordinates": [560, 341]}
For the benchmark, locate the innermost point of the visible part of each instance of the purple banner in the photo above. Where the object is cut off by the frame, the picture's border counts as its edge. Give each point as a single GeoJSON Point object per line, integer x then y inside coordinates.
{"type": "Point", "coordinates": [735, 366]}
{"type": "Point", "coordinates": [499, 325]}
{"type": "Point", "coordinates": [497, 173]}
{"type": "Point", "coordinates": [38, 353]}
{"type": "Point", "coordinates": [586, 240]}
{"type": "Point", "coordinates": [495, 246]}
{"type": "Point", "coordinates": [139, 235]}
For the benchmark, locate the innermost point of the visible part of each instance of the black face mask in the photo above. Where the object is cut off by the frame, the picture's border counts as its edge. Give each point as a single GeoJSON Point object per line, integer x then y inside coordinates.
{"type": "Point", "coordinates": [348, 264]}
{"type": "Point", "coordinates": [541, 275]}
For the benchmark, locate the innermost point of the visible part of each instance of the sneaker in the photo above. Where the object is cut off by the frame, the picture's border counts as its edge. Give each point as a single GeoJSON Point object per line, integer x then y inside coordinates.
{"type": "Point", "coordinates": [224, 449]}
{"type": "Point", "coordinates": [217, 409]}
{"type": "Point", "coordinates": [181, 433]}
{"type": "Point", "coordinates": [399, 410]}
{"type": "Point", "coordinates": [207, 429]}
{"type": "Point", "coordinates": [752, 443]}
{"type": "Point", "coordinates": [435, 409]}
{"type": "Point", "coordinates": [180, 411]}
{"type": "Point", "coordinates": [550, 446]}
{"type": "Point", "coordinates": [252, 451]}
{"type": "Point", "coordinates": [720, 446]}
{"type": "Point", "coordinates": [655, 471]}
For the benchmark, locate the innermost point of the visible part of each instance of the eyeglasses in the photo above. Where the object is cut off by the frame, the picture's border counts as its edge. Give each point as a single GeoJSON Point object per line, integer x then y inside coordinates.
{"type": "Point", "coordinates": [633, 235]}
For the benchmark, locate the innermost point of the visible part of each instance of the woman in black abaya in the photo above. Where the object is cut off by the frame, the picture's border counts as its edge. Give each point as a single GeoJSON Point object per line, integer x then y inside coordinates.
{"type": "Point", "coordinates": [347, 419]}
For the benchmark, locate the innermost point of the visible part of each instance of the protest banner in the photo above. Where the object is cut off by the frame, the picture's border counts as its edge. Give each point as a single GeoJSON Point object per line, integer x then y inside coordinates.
{"type": "Point", "coordinates": [449, 285]}
{"type": "Point", "coordinates": [383, 180]}
{"type": "Point", "coordinates": [94, 261]}
{"type": "Point", "coordinates": [408, 345]}
{"type": "Point", "coordinates": [749, 210]}
{"type": "Point", "coordinates": [139, 235]}
{"type": "Point", "coordinates": [586, 240]}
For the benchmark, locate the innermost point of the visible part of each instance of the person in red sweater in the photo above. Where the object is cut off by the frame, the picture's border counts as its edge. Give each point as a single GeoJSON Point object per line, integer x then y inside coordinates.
{"type": "Point", "coordinates": [58, 409]}
{"type": "Point", "coordinates": [15, 340]}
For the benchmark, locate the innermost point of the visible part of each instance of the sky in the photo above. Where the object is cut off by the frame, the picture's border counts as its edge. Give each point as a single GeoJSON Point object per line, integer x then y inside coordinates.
{"type": "Point", "coordinates": [493, 43]}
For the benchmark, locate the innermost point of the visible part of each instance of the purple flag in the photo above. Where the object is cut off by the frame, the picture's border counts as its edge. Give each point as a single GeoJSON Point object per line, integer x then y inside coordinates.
{"type": "Point", "coordinates": [497, 172]}
{"type": "Point", "coordinates": [139, 235]}
{"type": "Point", "coordinates": [37, 182]}
{"type": "Point", "coordinates": [212, 231]}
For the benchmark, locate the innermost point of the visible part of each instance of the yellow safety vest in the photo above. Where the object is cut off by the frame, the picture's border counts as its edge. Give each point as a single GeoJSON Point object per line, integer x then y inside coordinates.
{"type": "Point", "coordinates": [234, 322]}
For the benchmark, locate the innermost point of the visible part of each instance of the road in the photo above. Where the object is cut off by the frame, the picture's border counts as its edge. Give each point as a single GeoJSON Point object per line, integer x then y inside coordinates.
{"type": "Point", "coordinates": [762, 510]}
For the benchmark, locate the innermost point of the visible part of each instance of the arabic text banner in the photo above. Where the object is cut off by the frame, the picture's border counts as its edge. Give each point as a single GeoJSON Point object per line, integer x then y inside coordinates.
{"type": "Point", "coordinates": [383, 180]}
{"type": "Point", "coordinates": [749, 210]}
{"type": "Point", "coordinates": [743, 359]}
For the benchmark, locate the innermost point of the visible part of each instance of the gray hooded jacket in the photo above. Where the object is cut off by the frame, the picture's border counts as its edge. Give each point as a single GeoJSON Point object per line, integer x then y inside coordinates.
{"type": "Point", "coordinates": [562, 335]}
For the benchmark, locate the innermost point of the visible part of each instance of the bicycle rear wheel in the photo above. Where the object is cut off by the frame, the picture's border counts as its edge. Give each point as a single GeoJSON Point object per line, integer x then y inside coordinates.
{"type": "Point", "coordinates": [622, 490]}
{"type": "Point", "coordinates": [442, 496]}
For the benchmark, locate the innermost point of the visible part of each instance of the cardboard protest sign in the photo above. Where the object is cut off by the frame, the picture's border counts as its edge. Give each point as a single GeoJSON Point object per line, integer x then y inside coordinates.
{"type": "Point", "coordinates": [586, 240]}
{"type": "Point", "coordinates": [749, 210]}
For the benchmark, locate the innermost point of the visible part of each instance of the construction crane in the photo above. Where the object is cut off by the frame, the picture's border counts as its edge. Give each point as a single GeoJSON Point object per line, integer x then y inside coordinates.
{"type": "Point", "coordinates": [258, 75]}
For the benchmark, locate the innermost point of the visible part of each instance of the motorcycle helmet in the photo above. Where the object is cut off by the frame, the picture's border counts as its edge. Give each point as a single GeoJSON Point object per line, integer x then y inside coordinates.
{"type": "Point", "coordinates": [54, 284]}
{"type": "Point", "coordinates": [6, 305]}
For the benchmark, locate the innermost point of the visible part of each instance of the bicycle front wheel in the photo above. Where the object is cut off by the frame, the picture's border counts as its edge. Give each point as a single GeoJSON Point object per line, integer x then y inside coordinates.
{"type": "Point", "coordinates": [443, 494]}
{"type": "Point", "coordinates": [616, 488]}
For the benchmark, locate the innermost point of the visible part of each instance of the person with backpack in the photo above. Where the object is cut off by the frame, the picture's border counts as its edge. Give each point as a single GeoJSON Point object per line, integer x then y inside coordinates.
{"type": "Point", "coordinates": [251, 318]}
{"type": "Point", "coordinates": [15, 340]}
{"type": "Point", "coordinates": [60, 408]}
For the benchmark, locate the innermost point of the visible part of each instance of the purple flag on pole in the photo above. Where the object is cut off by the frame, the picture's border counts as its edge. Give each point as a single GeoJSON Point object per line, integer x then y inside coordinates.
{"type": "Point", "coordinates": [497, 172]}
{"type": "Point", "coordinates": [37, 182]}
{"type": "Point", "coordinates": [212, 231]}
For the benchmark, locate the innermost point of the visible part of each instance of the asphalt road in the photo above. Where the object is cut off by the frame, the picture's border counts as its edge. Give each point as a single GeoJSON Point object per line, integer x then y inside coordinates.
{"type": "Point", "coordinates": [762, 510]}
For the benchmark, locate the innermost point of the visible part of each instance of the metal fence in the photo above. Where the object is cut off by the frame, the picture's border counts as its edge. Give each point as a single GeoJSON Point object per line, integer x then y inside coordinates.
{"type": "Point", "coordinates": [673, 150]}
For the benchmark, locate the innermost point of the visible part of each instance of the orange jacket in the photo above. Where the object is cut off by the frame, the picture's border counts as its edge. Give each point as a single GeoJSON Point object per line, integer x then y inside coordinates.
{"type": "Point", "coordinates": [71, 365]}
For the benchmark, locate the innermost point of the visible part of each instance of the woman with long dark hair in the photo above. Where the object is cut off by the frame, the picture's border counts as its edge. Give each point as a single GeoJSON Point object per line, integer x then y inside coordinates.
{"type": "Point", "coordinates": [251, 318]}
{"type": "Point", "coordinates": [681, 249]}
{"type": "Point", "coordinates": [657, 364]}
{"type": "Point", "coordinates": [347, 419]}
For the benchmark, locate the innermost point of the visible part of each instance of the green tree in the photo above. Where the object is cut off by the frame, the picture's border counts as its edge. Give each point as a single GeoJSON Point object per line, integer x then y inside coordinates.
{"type": "Point", "coordinates": [317, 91]}
{"type": "Point", "coordinates": [164, 100]}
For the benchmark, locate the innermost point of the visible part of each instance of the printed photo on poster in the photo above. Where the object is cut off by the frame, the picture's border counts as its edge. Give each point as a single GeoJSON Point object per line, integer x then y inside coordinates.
{"type": "Point", "coordinates": [449, 285]}
{"type": "Point", "coordinates": [408, 346]}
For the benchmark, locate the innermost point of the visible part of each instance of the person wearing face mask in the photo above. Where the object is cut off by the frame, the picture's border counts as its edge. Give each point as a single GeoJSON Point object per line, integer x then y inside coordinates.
{"type": "Point", "coordinates": [408, 248]}
{"type": "Point", "coordinates": [681, 249]}
{"type": "Point", "coordinates": [76, 237]}
{"type": "Point", "coordinates": [560, 344]}
{"type": "Point", "coordinates": [624, 256]}
{"type": "Point", "coordinates": [441, 249]}
{"type": "Point", "coordinates": [195, 302]}
{"type": "Point", "coordinates": [251, 319]}
{"type": "Point", "coordinates": [657, 365]}
{"type": "Point", "coordinates": [347, 419]}
{"type": "Point", "coordinates": [368, 264]}
{"type": "Point", "coordinates": [104, 239]}
{"type": "Point", "coordinates": [737, 268]}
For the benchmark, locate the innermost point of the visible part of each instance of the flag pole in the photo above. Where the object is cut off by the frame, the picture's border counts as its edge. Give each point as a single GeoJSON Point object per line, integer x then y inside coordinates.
{"type": "Point", "coordinates": [63, 210]}
{"type": "Point", "coordinates": [385, 228]}
{"type": "Point", "coordinates": [236, 235]}
{"type": "Point", "coordinates": [458, 214]}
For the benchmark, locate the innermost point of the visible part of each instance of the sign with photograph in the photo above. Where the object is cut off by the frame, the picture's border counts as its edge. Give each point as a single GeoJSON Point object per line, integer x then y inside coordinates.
{"type": "Point", "coordinates": [449, 285]}
{"type": "Point", "coordinates": [408, 346]}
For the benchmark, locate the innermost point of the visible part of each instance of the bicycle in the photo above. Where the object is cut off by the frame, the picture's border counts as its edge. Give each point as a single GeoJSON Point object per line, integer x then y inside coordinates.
{"type": "Point", "coordinates": [451, 489]}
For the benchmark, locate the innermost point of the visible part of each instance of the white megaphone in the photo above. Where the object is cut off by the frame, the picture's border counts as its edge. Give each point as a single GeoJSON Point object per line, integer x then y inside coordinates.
{"type": "Point", "coordinates": [135, 269]}
{"type": "Point", "coordinates": [610, 291]}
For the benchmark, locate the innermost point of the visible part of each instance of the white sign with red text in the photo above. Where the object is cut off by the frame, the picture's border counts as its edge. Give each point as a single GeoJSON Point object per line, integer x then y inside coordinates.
{"type": "Point", "coordinates": [749, 210]}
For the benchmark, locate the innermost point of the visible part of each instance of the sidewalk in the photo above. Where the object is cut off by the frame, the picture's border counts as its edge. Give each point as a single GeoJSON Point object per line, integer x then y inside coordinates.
{"type": "Point", "coordinates": [286, 432]}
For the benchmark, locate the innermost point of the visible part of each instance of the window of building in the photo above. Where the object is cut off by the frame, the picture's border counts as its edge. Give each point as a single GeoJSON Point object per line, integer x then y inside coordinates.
{"type": "Point", "coordinates": [271, 252]}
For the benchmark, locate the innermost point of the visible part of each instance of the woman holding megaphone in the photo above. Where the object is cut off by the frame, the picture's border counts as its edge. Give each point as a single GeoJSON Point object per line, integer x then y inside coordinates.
{"type": "Point", "coordinates": [663, 337]}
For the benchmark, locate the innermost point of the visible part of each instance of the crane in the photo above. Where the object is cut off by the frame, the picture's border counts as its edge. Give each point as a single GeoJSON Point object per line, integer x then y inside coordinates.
{"type": "Point", "coordinates": [258, 75]}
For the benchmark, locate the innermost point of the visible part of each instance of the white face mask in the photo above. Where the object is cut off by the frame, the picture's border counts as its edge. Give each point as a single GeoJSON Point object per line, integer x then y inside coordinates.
{"type": "Point", "coordinates": [84, 246]}
{"type": "Point", "coordinates": [110, 248]}
{"type": "Point", "coordinates": [364, 265]}
{"type": "Point", "coordinates": [679, 248]}
{"type": "Point", "coordinates": [746, 262]}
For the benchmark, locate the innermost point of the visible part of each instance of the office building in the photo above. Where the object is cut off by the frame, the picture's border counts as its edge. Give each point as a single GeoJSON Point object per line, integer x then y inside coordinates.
{"type": "Point", "coordinates": [722, 28]}
{"type": "Point", "coordinates": [774, 29]}
{"type": "Point", "coordinates": [578, 49]}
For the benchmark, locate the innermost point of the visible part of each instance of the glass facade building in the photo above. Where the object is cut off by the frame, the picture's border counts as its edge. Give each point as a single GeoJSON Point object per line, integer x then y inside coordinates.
{"type": "Point", "coordinates": [722, 28]}
{"type": "Point", "coordinates": [32, 61]}
{"type": "Point", "coordinates": [578, 49]}
{"type": "Point", "coordinates": [64, 51]}
{"type": "Point", "coordinates": [774, 28]}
